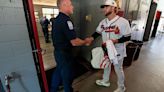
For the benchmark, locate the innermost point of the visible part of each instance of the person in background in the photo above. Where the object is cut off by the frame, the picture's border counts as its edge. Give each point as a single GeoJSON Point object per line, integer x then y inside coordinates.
{"type": "Point", "coordinates": [52, 19]}
{"type": "Point", "coordinates": [64, 40]}
{"type": "Point", "coordinates": [52, 24]}
{"type": "Point", "coordinates": [45, 24]}
{"type": "Point", "coordinates": [117, 29]}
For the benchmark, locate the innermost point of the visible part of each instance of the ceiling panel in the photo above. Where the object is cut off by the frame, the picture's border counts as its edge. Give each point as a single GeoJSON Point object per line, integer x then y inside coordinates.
{"type": "Point", "coordinates": [45, 2]}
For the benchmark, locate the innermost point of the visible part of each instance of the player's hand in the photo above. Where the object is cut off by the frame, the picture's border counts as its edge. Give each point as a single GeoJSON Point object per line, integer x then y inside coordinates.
{"type": "Point", "coordinates": [89, 40]}
{"type": "Point", "coordinates": [114, 41]}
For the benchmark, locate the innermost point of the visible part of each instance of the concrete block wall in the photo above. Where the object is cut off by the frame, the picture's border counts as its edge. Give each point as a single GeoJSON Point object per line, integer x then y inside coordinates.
{"type": "Point", "coordinates": [92, 9]}
{"type": "Point", "coordinates": [15, 48]}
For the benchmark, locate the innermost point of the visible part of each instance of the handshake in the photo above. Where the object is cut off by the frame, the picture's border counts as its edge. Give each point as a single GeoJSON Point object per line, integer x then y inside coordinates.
{"type": "Point", "coordinates": [88, 41]}
{"type": "Point", "coordinates": [79, 42]}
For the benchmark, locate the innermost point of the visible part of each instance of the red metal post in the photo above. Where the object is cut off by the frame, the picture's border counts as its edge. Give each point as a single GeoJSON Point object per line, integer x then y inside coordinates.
{"type": "Point", "coordinates": [31, 8]}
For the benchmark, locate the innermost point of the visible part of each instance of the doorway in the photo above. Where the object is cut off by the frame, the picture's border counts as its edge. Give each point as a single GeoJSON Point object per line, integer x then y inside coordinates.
{"type": "Point", "coordinates": [41, 9]}
{"type": "Point", "coordinates": [46, 10]}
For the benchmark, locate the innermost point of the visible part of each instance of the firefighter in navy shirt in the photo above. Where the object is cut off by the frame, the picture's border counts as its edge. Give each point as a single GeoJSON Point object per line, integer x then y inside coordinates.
{"type": "Point", "coordinates": [64, 39]}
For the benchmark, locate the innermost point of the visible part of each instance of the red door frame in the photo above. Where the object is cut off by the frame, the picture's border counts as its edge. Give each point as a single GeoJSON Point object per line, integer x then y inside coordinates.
{"type": "Point", "coordinates": [31, 9]}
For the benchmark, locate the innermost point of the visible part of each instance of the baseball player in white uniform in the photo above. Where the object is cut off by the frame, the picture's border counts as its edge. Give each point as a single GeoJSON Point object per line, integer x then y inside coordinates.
{"type": "Point", "coordinates": [118, 30]}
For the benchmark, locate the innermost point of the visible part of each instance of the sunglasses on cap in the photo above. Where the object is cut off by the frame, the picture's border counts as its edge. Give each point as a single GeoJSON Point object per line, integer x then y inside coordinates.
{"type": "Point", "coordinates": [103, 6]}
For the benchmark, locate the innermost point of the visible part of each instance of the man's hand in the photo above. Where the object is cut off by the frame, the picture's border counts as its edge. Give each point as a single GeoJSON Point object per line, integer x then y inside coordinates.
{"type": "Point", "coordinates": [78, 42]}
{"type": "Point", "coordinates": [89, 40]}
{"type": "Point", "coordinates": [114, 41]}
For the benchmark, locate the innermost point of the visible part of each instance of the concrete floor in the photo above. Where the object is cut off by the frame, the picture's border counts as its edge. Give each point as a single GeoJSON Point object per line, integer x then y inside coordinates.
{"type": "Point", "coordinates": [47, 54]}
{"type": "Point", "coordinates": [144, 75]}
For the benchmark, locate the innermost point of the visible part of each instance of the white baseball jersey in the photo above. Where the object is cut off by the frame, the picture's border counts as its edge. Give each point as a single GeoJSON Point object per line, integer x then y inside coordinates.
{"type": "Point", "coordinates": [105, 29]}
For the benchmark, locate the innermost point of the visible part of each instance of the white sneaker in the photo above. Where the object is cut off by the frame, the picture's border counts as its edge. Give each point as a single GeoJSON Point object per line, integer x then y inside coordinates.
{"type": "Point", "coordinates": [102, 83]}
{"type": "Point", "coordinates": [120, 89]}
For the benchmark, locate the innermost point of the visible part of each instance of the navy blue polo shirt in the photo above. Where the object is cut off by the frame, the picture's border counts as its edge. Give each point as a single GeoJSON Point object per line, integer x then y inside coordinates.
{"type": "Point", "coordinates": [63, 32]}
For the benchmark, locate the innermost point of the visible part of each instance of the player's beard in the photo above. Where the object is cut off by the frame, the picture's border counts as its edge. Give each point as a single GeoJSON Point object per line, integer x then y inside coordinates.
{"type": "Point", "coordinates": [108, 13]}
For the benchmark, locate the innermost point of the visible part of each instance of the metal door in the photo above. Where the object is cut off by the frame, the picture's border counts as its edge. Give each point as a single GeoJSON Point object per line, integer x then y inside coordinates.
{"type": "Point", "coordinates": [21, 66]}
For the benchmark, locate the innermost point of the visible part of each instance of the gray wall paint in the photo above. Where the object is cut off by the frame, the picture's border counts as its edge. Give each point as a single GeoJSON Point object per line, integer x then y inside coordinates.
{"type": "Point", "coordinates": [15, 49]}
{"type": "Point", "coordinates": [76, 16]}
{"type": "Point", "coordinates": [89, 8]}
{"type": "Point", "coordinates": [84, 28]}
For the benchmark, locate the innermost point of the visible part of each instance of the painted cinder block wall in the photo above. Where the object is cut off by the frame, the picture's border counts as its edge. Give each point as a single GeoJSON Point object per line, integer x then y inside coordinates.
{"type": "Point", "coordinates": [15, 48]}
